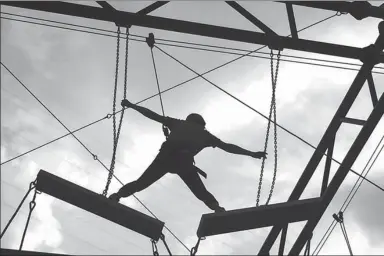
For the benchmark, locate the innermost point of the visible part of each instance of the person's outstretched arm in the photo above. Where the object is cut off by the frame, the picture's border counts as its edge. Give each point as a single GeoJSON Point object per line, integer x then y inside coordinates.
{"type": "Point", "coordinates": [144, 111]}
{"type": "Point", "coordinates": [231, 148]}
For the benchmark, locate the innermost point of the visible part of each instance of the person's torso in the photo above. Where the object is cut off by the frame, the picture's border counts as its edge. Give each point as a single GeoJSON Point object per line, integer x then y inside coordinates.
{"type": "Point", "coordinates": [186, 138]}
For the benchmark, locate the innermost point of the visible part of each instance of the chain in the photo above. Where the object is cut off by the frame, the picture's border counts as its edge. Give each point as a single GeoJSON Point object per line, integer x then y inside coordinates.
{"type": "Point", "coordinates": [32, 206]}
{"type": "Point", "coordinates": [272, 110]}
{"type": "Point", "coordinates": [274, 83]}
{"type": "Point", "coordinates": [110, 174]}
{"type": "Point", "coordinates": [154, 248]}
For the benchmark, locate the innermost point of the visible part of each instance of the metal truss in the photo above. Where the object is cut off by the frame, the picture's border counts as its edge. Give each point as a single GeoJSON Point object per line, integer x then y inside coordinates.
{"type": "Point", "coordinates": [369, 56]}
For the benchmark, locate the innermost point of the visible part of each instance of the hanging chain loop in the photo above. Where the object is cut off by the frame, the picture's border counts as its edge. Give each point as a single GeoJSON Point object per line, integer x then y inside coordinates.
{"type": "Point", "coordinates": [116, 134]}
{"type": "Point", "coordinates": [272, 111]}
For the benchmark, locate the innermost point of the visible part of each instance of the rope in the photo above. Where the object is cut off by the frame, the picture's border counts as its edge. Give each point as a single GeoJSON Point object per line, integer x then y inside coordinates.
{"type": "Point", "coordinates": [272, 110]}
{"type": "Point", "coordinates": [151, 42]}
{"type": "Point", "coordinates": [32, 206]}
{"type": "Point", "coordinates": [340, 219]}
{"type": "Point", "coordinates": [32, 186]}
{"type": "Point", "coordinates": [308, 247]}
{"type": "Point", "coordinates": [162, 237]}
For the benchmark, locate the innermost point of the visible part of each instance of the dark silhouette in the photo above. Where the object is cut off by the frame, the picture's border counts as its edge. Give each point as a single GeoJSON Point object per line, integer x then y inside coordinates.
{"type": "Point", "coordinates": [187, 138]}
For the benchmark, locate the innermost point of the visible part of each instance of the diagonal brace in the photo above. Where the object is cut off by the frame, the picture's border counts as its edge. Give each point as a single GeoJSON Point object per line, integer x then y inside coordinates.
{"type": "Point", "coordinates": [251, 18]}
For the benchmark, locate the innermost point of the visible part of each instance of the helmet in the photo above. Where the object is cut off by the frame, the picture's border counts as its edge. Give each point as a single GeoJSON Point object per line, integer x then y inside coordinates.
{"type": "Point", "coordinates": [196, 118]}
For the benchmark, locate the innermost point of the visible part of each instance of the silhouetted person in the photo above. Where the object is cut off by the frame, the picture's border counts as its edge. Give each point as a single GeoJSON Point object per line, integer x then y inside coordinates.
{"type": "Point", "coordinates": [186, 139]}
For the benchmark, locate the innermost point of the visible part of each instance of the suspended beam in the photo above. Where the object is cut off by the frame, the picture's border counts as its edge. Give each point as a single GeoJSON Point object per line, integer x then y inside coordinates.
{"type": "Point", "coordinates": [255, 21]}
{"type": "Point", "coordinates": [257, 217]}
{"type": "Point", "coordinates": [18, 252]}
{"type": "Point", "coordinates": [352, 121]}
{"type": "Point", "coordinates": [187, 27]}
{"type": "Point", "coordinates": [292, 21]}
{"type": "Point", "coordinates": [341, 173]}
{"type": "Point", "coordinates": [330, 133]}
{"type": "Point", "coordinates": [358, 9]}
{"type": "Point", "coordinates": [98, 205]}
{"type": "Point", "coordinates": [372, 89]}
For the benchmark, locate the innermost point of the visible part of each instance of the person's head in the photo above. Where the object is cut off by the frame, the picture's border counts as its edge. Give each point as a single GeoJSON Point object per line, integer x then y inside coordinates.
{"type": "Point", "coordinates": [196, 118]}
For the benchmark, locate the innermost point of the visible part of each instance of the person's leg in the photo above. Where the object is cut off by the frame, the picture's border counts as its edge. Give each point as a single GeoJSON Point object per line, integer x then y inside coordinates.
{"type": "Point", "coordinates": [195, 184]}
{"type": "Point", "coordinates": [152, 174]}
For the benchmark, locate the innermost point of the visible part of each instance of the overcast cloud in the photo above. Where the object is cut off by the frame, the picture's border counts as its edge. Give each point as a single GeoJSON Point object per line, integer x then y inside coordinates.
{"type": "Point", "coordinates": [73, 74]}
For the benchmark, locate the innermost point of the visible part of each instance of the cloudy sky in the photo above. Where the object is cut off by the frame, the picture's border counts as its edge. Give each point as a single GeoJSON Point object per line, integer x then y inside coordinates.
{"type": "Point", "coordinates": [72, 73]}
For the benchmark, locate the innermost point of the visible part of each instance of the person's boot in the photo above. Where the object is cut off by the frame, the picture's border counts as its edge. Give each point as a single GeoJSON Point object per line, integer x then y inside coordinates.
{"type": "Point", "coordinates": [114, 197]}
{"type": "Point", "coordinates": [219, 209]}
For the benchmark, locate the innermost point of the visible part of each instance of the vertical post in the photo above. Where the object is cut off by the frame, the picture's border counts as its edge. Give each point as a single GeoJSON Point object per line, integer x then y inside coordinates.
{"type": "Point", "coordinates": [327, 168]}
{"type": "Point", "coordinates": [292, 22]}
{"type": "Point", "coordinates": [341, 173]}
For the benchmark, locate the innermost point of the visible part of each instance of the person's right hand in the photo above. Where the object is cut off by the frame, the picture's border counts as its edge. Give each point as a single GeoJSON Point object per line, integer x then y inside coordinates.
{"type": "Point", "coordinates": [259, 154]}
{"type": "Point", "coordinates": [126, 103]}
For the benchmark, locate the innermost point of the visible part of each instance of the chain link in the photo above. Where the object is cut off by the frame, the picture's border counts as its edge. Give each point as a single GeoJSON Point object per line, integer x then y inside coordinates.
{"type": "Point", "coordinates": [154, 248]}
{"type": "Point", "coordinates": [272, 110]}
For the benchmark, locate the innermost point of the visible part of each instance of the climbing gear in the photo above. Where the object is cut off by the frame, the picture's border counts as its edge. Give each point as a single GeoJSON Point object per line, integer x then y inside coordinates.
{"type": "Point", "coordinates": [272, 111]}
{"type": "Point", "coordinates": [116, 134]}
{"type": "Point", "coordinates": [151, 43]}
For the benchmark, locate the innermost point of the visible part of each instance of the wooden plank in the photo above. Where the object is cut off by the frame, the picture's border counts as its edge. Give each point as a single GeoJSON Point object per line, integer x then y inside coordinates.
{"type": "Point", "coordinates": [99, 205]}
{"type": "Point", "coordinates": [17, 252]}
{"type": "Point", "coordinates": [257, 217]}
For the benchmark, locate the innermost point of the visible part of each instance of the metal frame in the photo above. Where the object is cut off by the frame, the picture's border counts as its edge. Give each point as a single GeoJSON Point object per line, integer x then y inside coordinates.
{"type": "Point", "coordinates": [245, 36]}
{"type": "Point", "coordinates": [370, 56]}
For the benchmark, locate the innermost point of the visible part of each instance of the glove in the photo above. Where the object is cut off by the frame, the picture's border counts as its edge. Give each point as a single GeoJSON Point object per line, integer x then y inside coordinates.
{"type": "Point", "coordinates": [259, 154]}
{"type": "Point", "coordinates": [126, 103]}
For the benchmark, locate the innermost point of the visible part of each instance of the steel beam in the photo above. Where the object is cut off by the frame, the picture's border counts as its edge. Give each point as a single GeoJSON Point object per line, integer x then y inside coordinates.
{"type": "Point", "coordinates": [327, 168]}
{"type": "Point", "coordinates": [150, 8]}
{"type": "Point", "coordinates": [282, 240]}
{"type": "Point", "coordinates": [255, 21]}
{"type": "Point", "coordinates": [292, 22]}
{"type": "Point", "coordinates": [372, 89]}
{"type": "Point", "coordinates": [353, 121]}
{"type": "Point", "coordinates": [358, 9]}
{"type": "Point", "coordinates": [334, 125]}
{"type": "Point", "coordinates": [192, 28]}
{"type": "Point", "coordinates": [341, 173]}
